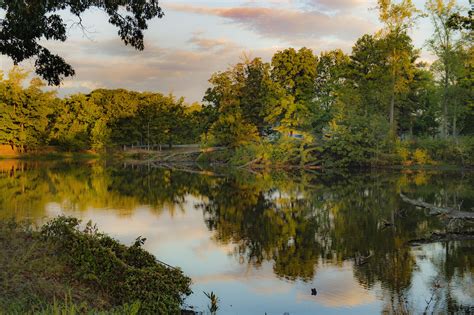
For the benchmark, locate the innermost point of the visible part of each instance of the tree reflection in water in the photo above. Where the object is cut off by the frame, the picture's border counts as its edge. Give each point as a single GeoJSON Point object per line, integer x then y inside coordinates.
{"type": "Point", "coordinates": [296, 221]}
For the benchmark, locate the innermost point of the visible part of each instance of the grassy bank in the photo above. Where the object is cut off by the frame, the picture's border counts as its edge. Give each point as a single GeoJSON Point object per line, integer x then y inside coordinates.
{"type": "Point", "coordinates": [341, 154]}
{"type": "Point", "coordinates": [62, 267]}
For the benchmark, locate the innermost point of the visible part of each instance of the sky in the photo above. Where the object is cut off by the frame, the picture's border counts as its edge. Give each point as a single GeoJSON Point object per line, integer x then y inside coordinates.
{"type": "Point", "coordinates": [197, 38]}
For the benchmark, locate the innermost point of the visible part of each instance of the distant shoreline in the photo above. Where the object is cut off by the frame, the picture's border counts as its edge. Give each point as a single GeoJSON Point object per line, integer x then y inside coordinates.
{"type": "Point", "coordinates": [190, 160]}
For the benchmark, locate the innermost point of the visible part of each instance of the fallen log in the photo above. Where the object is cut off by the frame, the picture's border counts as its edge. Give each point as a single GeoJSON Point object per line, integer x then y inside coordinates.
{"type": "Point", "coordinates": [443, 237]}
{"type": "Point", "coordinates": [450, 213]}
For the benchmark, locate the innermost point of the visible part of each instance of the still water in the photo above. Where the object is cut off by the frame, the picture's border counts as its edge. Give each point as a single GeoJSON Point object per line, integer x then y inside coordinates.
{"type": "Point", "coordinates": [261, 242]}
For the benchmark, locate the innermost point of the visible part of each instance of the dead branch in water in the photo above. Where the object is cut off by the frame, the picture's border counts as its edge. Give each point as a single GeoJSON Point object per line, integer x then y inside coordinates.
{"type": "Point", "coordinates": [443, 237]}
{"type": "Point", "coordinates": [450, 213]}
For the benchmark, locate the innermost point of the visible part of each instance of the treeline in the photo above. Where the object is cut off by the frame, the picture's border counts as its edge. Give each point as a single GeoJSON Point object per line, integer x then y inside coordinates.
{"type": "Point", "coordinates": [379, 104]}
{"type": "Point", "coordinates": [31, 118]}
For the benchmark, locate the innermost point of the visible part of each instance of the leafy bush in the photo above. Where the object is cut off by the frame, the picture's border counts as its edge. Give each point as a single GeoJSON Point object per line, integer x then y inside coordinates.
{"type": "Point", "coordinates": [126, 274]}
{"type": "Point", "coordinates": [250, 154]}
{"type": "Point", "coordinates": [353, 141]}
{"type": "Point", "coordinates": [451, 151]}
{"type": "Point", "coordinates": [289, 151]}
{"type": "Point", "coordinates": [421, 157]}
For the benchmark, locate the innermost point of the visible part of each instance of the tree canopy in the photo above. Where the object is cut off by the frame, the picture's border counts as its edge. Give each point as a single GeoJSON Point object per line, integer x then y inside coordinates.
{"type": "Point", "coordinates": [25, 23]}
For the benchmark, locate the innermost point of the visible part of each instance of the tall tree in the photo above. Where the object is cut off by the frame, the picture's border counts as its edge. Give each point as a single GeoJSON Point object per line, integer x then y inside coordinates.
{"type": "Point", "coordinates": [368, 75]}
{"type": "Point", "coordinates": [258, 93]}
{"type": "Point", "coordinates": [331, 78]}
{"type": "Point", "coordinates": [295, 73]}
{"type": "Point", "coordinates": [398, 19]}
{"type": "Point", "coordinates": [445, 45]}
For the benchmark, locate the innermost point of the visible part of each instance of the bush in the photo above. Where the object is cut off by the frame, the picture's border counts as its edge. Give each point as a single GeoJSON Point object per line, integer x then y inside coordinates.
{"type": "Point", "coordinates": [421, 157]}
{"type": "Point", "coordinates": [251, 153]}
{"type": "Point", "coordinates": [353, 141]}
{"type": "Point", "coordinates": [451, 151]}
{"type": "Point", "coordinates": [126, 274]}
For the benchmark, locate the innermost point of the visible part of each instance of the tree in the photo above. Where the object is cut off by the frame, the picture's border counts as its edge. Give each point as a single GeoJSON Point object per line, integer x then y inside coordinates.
{"type": "Point", "coordinates": [258, 93]}
{"type": "Point", "coordinates": [242, 95]}
{"type": "Point", "coordinates": [418, 110]}
{"type": "Point", "coordinates": [24, 113]}
{"type": "Point", "coordinates": [332, 71]}
{"type": "Point", "coordinates": [445, 44]}
{"type": "Point", "coordinates": [295, 73]}
{"type": "Point", "coordinates": [27, 22]}
{"type": "Point", "coordinates": [73, 121]}
{"type": "Point", "coordinates": [367, 75]}
{"type": "Point", "coordinates": [398, 19]}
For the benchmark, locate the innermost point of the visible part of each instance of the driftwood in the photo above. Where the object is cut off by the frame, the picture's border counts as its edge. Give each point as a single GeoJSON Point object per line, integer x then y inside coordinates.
{"type": "Point", "coordinates": [450, 213]}
{"type": "Point", "coordinates": [443, 237]}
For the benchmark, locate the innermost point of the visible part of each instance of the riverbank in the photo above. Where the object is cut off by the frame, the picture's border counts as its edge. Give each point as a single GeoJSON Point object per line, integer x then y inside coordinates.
{"type": "Point", "coordinates": [68, 267]}
{"type": "Point", "coordinates": [258, 157]}
{"type": "Point", "coordinates": [287, 154]}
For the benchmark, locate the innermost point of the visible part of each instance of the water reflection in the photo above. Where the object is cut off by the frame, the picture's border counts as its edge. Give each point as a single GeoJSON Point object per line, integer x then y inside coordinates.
{"type": "Point", "coordinates": [261, 241]}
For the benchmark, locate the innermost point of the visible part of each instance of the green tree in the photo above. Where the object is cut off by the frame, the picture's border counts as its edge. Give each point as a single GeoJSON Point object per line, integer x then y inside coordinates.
{"type": "Point", "coordinates": [445, 44]}
{"type": "Point", "coordinates": [332, 71]}
{"type": "Point", "coordinates": [73, 121]}
{"type": "Point", "coordinates": [27, 22]}
{"type": "Point", "coordinates": [295, 73]}
{"type": "Point", "coordinates": [368, 79]}
{"type": "Point", "coordinates": [241, 95]}
{"type": "Point", "coordinates": [398, 19]}
{"type": "Point", "coordinates": [24, 113]}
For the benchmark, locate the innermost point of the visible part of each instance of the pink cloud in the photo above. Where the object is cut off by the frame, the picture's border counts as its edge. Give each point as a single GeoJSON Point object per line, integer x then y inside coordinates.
{"type": "Point", "coordinates": [287, 24]}
{"type": "Point", "coordinates": [340, 5]}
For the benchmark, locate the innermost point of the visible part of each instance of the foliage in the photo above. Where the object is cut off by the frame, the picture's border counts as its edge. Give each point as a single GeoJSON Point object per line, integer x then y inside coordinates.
{"type": "Point", "coordinates": [347, 110]}
{"type": "Point", "coordinates": [125, 274]}
{"type": "Point", "coordinates": [24, 113]}
{"type": "Point", "coordinates": [232, 130]}
{"type": "Point", "coordinates": [62, 269]}
{"type": "Point", "coordinates": [27, 22]}
{"type": "Point", "coordinates": [299, 109]}
{"type": "Point", "coordinates": [214, 300]}
{"type": "Point", "coordinates": [353, 140]}
{"type": "Point", "coordinates": [101, 120]}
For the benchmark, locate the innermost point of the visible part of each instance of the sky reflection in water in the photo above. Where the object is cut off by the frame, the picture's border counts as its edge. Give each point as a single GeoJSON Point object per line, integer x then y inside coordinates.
{"type": "Point", "coordinates": [261, 242]}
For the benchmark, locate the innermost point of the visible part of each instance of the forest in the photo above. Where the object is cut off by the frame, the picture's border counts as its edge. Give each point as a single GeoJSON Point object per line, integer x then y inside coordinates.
{"type": "Point", "coordinates": [378, 105]}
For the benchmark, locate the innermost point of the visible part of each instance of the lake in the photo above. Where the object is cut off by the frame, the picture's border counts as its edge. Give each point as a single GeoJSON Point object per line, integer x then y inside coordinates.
{"type": "Point", "coordinates": [263, 241]}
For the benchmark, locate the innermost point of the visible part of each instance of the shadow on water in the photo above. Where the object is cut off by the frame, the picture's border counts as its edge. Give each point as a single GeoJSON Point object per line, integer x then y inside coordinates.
{"type": "Point", "coordinates": [297, 222]}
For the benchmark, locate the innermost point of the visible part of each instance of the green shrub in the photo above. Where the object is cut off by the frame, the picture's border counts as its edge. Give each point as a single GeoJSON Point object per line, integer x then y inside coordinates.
{"type": "Point", "coordinates": [450, 151]}
{"type": "Point", "coordinates": [421, 157]}
{"type": "Point", "coordinates": [126, 274]}
{"type": "Point", "coordinates": [353, 141]}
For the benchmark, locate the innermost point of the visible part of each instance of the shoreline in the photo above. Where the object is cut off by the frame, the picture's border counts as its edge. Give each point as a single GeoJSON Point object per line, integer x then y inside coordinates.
{"type": "Point", "coordinates": [156, 161]}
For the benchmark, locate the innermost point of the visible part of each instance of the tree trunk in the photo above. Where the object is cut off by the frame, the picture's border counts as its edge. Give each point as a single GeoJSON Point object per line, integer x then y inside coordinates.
{"type": "Point", "coordinates": [445, 99]}
{"type": "Point", "coordinates": [455, 132]}
{"type": "Point", "coordinates": [445, 117]}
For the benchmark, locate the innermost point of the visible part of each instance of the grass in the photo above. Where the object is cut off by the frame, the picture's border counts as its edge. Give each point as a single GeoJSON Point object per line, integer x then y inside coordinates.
{"type": "Point", "coordinates": [32, 276]}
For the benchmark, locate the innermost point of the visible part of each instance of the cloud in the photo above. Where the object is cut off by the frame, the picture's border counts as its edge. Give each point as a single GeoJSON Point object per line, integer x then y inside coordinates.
{"type": "Point", "coordinates": [183, 70]}
{"type": "Point", "coordinates": [204, 43]}
{"type": "Point", "coordinates": [287, 24]}
{"type": "Point", "coordinates": [339, 5]}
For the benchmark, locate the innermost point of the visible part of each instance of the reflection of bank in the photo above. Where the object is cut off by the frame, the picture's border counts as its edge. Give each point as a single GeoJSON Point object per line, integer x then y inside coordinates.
{"type": "Point", "coordinates": [7, 166]}
{"type": "Point", "coordinates": [263, 238]}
